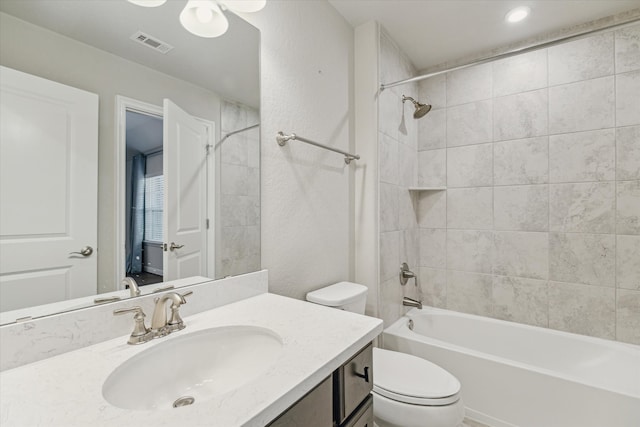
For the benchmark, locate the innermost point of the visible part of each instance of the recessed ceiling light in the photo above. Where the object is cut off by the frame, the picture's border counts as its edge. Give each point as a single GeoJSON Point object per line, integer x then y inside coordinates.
{"type": "Point", "coordinates": [517, 14]}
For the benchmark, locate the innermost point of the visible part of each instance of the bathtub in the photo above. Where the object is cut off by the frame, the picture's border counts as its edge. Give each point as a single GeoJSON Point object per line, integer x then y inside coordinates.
{"type": "Point", "coordinates": [525, 376]}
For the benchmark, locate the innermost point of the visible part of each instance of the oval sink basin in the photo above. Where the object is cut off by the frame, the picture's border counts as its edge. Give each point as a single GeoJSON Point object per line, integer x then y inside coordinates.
{"type": "Point", "coordinates": [198, 365]}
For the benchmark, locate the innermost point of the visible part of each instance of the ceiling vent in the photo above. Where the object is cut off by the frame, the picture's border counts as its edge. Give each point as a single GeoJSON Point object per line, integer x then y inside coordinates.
{"type": "Point", "coordinates": [151, 42]}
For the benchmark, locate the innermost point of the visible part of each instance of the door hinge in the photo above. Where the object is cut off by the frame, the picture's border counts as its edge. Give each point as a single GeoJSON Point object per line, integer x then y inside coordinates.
{"type": "Point", "coordinates": [207, 223]}
{"type": "Point", "coordinates": [164, 247]}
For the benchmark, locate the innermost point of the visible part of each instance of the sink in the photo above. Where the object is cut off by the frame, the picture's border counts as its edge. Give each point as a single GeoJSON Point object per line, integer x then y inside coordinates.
{"type": "Point", "coordinates": [193, 367]}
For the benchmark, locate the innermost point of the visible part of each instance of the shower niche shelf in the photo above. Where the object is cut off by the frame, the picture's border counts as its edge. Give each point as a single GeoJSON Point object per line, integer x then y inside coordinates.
{"type": "Point", "coordinates": [427, 188]}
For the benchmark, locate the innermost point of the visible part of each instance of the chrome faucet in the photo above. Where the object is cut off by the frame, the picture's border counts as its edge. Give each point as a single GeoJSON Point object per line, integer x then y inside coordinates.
{"type": "Point", "coordinates": [410, 302]}
{"type": "Point", "coordinates": [159, 324]}
{"type": "Point", "coordinates": [405, 274]}
{"type": "Point", "coordinates": [133, 286]}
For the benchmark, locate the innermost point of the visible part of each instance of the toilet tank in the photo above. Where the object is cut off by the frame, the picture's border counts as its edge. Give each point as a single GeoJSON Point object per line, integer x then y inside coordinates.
{"type": "Point", "coordinates": [343, 295]}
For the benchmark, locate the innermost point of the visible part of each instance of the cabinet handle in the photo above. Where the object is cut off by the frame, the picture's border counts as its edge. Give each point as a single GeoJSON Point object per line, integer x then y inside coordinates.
{"type": "Point", "coordinates": [365, 375]}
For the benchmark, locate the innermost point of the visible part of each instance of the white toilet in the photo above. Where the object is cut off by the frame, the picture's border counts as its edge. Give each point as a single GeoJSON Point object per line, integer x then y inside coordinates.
{"type": "Point", "coordinates": [408, 391]}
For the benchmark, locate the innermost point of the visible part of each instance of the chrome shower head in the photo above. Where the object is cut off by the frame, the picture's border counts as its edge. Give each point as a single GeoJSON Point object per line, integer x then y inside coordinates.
{"type": "Point", "coordinates": [421, 109]}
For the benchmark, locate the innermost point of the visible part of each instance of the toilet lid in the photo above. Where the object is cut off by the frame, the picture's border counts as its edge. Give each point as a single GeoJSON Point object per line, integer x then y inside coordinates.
{"type": "Point", "coordinates": [410, 379]}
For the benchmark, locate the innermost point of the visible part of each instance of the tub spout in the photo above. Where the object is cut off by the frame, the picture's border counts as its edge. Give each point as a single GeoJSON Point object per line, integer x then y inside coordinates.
{"type": "Point", "coordinates": [410, 302]}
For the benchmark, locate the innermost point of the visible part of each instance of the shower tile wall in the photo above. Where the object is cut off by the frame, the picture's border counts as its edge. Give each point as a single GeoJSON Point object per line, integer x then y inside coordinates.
{"type": "Point", "coordinates": [540, 153]}
{"type": "Point", "coordinates": [240, 192]}
{"type": "Point", "coordinates": [398, 147]}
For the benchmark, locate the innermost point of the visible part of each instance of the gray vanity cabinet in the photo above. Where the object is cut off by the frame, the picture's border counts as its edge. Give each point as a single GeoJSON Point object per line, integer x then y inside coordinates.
{"type": "Point", "coordinates": [342, 400]}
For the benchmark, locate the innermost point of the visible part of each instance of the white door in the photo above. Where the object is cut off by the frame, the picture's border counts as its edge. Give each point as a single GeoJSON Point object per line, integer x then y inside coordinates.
{"type": "Point", "coordinates": [185, 204]}
{"type": "Point", "coordinates": [48, 185]}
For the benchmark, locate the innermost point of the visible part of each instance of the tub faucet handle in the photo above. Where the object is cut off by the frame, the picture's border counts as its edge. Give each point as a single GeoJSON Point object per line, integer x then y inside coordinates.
{"type": "Point", "coordinates": [406, 274]}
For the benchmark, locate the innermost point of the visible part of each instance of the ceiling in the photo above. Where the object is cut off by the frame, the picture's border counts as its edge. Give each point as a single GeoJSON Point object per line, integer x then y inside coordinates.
{"type": "Point", "coordinates": [432, 32]}
{"type": "Point", "coordinates": [230, 67]}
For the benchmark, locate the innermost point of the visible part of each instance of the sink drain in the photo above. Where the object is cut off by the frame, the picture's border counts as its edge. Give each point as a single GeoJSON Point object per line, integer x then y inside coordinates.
{"type": "Point", "coordinates": [183, 401]}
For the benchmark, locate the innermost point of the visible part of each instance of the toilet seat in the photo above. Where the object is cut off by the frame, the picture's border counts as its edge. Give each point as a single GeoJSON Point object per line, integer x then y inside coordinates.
{"type": "Point", "coordinates": [410, 379]}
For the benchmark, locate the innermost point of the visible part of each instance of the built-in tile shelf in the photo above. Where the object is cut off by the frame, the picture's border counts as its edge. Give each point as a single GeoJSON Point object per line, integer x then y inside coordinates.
{"type": "Point", "coordinates": [427, 188]}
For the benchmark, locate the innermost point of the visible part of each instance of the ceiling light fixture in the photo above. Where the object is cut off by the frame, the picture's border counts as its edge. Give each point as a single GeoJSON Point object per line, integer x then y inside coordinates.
{"type": "Point", "coordinates": [205, 18]}
{"type": "Point", "coordinates": [517, 14]}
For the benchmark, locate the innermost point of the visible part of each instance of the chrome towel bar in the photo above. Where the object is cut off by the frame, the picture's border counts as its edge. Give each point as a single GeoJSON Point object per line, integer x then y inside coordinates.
{"type": "Point", "coordinates": [282, 141]}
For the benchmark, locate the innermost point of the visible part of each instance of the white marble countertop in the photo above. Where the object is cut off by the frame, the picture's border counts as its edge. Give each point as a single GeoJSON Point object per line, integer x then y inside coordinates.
{"type": "Point", "coordinates": [66, 390]}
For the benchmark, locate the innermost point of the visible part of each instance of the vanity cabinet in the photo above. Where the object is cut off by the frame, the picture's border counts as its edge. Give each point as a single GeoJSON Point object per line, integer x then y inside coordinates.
{"type": "Point", "coordinates": [343, 399]}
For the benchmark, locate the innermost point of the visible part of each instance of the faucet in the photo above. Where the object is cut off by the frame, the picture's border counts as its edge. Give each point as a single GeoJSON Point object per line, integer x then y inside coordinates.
{"type": "Point", "coordinates": [405, 274]}
{"type": "Point", "coordinates": [410, 302]}
{"type": "Point", "coordinates": [159, 319]}
{"type": "Point", "coordinates": [133, 286]}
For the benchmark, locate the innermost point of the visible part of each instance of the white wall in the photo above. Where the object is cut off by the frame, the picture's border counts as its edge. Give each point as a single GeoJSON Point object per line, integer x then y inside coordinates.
{"type": "Point", "coordinates": [306, 84]}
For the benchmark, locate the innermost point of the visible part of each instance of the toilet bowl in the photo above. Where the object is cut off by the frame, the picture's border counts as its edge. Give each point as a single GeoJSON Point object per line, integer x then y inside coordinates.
{"type": "Point", "coordinates": [412, 392]}
{"type": "Point", "coordinates": [407, 391]}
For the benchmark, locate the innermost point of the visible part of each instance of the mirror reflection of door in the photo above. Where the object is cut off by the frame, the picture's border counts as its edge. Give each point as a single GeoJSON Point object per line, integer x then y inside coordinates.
{"type": "Point", "coordinates": [144, 195]}
{"type": "Point", "coordinates": [48, 183]}
{"type": "Point", "coordinates": [167, 194]}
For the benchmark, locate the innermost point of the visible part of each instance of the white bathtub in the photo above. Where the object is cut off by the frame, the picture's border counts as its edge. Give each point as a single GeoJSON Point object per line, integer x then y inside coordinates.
{"type": "Point", "coordinates": [525, 376]}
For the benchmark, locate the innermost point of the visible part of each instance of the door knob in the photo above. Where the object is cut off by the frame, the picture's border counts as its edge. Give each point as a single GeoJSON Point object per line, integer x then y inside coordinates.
{"type": "Point", "coordinates": [174, 246]}
{"type": "Point", "coordinates": [86, 251]}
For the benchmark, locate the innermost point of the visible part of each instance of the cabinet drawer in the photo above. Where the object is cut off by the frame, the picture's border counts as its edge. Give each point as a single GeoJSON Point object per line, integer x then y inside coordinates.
{"type": "Point", "coordinates": [354, 382]}
{"type": "Point", "coordinates": [363, 417]}
{"type": "Point", "coordinates": [313, 410]}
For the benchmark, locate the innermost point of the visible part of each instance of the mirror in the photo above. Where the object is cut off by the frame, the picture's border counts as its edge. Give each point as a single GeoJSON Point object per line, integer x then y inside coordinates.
{"type": "Point", "coordinates": [116, 50]}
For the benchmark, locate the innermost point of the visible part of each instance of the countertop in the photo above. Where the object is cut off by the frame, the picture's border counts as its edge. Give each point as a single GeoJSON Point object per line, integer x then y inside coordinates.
{"type": "Point", "coordinates": [66, 390]}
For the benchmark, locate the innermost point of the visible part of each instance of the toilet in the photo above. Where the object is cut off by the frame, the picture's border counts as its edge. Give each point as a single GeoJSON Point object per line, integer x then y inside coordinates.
{"type": "Point", "coordinates": [408, 391]}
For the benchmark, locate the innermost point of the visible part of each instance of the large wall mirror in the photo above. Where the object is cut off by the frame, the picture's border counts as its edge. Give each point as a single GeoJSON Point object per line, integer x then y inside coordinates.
{"type": "Point", "coordinates": [120, 124]}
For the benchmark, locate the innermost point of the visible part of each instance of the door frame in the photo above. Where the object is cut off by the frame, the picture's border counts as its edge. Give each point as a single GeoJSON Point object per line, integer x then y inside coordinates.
{"type": "Point", "coordinates": [122, 105]}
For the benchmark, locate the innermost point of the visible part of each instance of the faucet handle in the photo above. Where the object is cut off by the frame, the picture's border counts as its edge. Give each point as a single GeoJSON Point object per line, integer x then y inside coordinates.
{"type": "Point", "coordinates": [176, 323]}
{"type": "Point", "coordinates": [140, 332]}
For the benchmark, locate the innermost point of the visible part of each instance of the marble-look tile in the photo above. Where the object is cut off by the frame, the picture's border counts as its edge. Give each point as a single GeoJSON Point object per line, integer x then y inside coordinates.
{"type": "Point", "coordinates": [391, 308]}
{"type": "Point", "coordinates": [628, 207]}
{"type": "Point", "coordinates": [407, 165]}
{"type": "Point", "coordinates": [470, 166]}
{"type": "Point", "coordinates": [408, 127]}
{"type": "Point", "coordinates": [583, 59]}
{"type": "Point", "coordinates": [585, 105]}
{"type": "Point", "coordinates": [523, 161]}
{"type": "Point", "coordinates": [470, 250]}
{"type": "Point", "coordinates": [388, 207]}
{"type": "Point", "coordinates": [389, 255]}
{"type": "Point", "coordinates": [253, 150]}
{"type": "Point", "coordinates": [520, 300]}
{"type": "Point", "coordinates": [432, 209]}
{"type": "Point", "coordinates": [582, 156]}
{"type": "Point", "coordinates": [470, 123]}
{"type": "Point", "coordinates": [391, 68]}
{"type": "Point", "coordinates": [520, 73]}
{"type": "Point", "coordinates": [628, 262]}
{"type": "Point", "coordinates": [410, 248]}
{"type": "Point", "coordinates": [253, 181]}
{"type": "Point", "coordinates": [589, 259]}
{"type": "Point", "coordinates": [432, 130]}
{"type": "Point", "coordinates": [628, 49]}
{"type": "Point", "coordinates": [522, 115]}
{"type": "Point", "coordinates": [470, 208]}
{"type": "Point", "coordinates": [253, 210]}
{"type": "Point", "coordinates": [235, 150]}
{"type": "Point", "coordinates": [521, 208]}
{"type": "Point", "coordinates": [232, 116]}
{"type": "Point", "coordinates": [432, 169]}
{"type": "Point", "coordinates": [469, 292]}
{"type": "Point", "coordinates": [628, 316]}
{"type": "Point", "coordinates": [469, 85]}
{"type": "Point", "coordinates": [582, 309]}
{"type": "Point", "coordinates": [234, 179]}
{"type": "Point", "coordinates": [388, 159]}
{"type": "Point", "coordinates": [628, 153]}
{"type": "Point", "coordinates": [433, 284]}
{"type": "Point", "coordinates": [390, 113]}
{"type": "Point", "coordinates": [521, 254]}
{"type": "Point", "coordinates": [584, 207]}
{"type": "Point", "coordinates": [230, 205]}
{"type": "Point", "coordinates": [628, 99]}
{"type": "Point", "coordinates": [407, 218]}
{"type": "Point", "coordinates": [434, 91]}
{"type": "Point", "coordinates": [433, 248]}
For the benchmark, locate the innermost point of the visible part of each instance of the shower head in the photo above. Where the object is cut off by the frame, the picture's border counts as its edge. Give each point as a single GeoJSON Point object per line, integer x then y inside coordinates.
{"type": "Point", "coordinates": [421, 109]}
